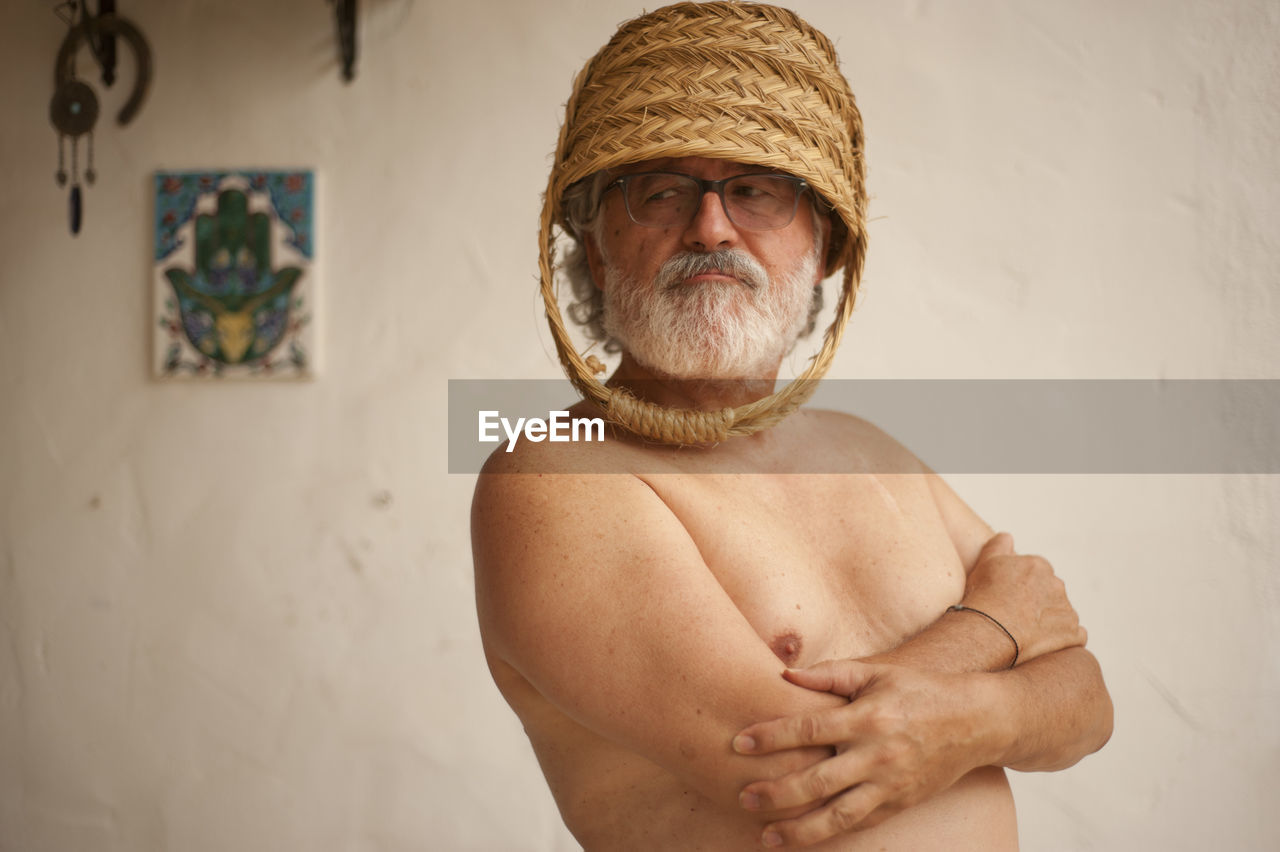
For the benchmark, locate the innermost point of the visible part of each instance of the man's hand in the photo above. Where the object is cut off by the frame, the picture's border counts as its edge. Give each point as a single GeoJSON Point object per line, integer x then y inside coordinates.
{"type": "Point", "coordinates": [1023, 594]}
{"type": "Point", "coordinates": [908, 733]}
{"type": "Point", "coordinates": [904, 736]}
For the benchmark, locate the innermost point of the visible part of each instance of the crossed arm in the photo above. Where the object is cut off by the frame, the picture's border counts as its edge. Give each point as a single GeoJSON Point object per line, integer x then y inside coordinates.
{"type": "Point", "coordinates": [919, 717]}
{"type": "Point", "coordinates": [593, 591]}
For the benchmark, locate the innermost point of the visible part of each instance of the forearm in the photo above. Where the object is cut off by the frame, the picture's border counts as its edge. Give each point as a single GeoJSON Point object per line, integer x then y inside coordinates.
{"type": "Point", "coordinates": [957, 643]}
{"type": "Point", "coordinates": [1047, 714]}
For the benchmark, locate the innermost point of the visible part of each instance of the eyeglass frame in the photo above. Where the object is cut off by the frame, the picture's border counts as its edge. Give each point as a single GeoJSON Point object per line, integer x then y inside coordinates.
{"type": "Point", "coordinates": [715, 186]}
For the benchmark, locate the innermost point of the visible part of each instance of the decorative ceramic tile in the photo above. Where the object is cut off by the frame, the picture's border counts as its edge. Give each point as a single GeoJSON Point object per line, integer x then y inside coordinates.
{"type": "Point", "coordinates": [234, 275]}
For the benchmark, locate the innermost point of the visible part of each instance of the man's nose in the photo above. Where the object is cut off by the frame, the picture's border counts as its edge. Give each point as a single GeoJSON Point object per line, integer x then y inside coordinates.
{"type": "Point", "coordinates": [710, 228]}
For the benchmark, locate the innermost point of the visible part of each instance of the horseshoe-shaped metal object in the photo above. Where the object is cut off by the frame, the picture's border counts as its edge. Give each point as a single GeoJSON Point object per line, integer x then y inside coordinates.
{"type": "Point", "coordinates": [108, 24]}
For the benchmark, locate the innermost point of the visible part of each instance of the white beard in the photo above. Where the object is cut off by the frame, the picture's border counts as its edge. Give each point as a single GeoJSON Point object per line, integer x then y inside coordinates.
{"type": "Point", "coordinates": [710, 330]}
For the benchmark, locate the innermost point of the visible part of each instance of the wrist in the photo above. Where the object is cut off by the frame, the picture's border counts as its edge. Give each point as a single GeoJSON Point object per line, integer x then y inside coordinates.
{"type": "Point", "coordinates": [996, 623]}
{"type": "Point", "coordinates": [990, 644]}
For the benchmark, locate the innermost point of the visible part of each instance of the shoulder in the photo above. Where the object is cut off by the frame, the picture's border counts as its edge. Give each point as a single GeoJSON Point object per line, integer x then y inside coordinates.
{"type": "Point", "coordinates": [563, 516]}
{"type": "Point", "coordinates": [856, 444]}
{"type": "Point", "coordinates": [879, 452]}
{"type": "Point", "coordinates": [521, 491]}
{"type": "Point", "coordinates": [528, 483]}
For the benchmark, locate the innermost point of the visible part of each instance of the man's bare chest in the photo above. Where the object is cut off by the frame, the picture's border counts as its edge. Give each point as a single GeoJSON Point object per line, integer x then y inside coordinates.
{"type": "Point", "coordinates": [822, 566]}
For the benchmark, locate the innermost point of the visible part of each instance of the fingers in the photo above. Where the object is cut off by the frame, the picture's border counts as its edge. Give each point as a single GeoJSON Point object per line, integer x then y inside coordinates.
{"type": "Point", "coordinates": [842, 677]}
{"type": "Point", "coordinates": [823, 728]}
{"type": "Point", "coordinates": [808, 786]}
{"type": "Point", "coordinates": [857, 809]}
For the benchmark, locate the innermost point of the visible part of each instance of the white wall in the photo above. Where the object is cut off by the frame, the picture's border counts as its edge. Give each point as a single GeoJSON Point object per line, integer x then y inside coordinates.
{"type": "Point", "coordinates": [240, 617]}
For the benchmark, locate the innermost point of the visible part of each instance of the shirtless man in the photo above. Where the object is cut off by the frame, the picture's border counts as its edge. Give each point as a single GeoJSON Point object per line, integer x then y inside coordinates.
{"type": "Point", "coordinates": [708, 651]}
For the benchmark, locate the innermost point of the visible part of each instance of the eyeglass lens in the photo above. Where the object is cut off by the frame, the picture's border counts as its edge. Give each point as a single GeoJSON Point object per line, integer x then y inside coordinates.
{"type": "Point", "coordinates": [759, 202]}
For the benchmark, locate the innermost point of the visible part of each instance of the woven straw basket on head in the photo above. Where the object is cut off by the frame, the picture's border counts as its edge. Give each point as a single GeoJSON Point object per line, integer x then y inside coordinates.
{"type": "Point", "coordinates": [738, 81]}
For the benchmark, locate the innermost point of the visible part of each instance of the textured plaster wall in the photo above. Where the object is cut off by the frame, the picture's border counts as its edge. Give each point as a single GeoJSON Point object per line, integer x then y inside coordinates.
{"type": "Point", "coordinates": [240, 618]}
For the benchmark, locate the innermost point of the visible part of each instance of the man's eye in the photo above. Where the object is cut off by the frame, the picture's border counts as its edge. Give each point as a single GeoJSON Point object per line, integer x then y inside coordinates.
{"type": "Point", "coordinates": [661, 195]}
{"type": "Point", "coordinates": [752, 189]}
{"type": "Point", "coordinates": [659, 191]}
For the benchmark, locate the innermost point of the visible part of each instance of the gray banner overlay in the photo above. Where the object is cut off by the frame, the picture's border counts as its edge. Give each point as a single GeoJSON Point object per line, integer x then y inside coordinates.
{"type": "Point", "coordinates": [963, 426]}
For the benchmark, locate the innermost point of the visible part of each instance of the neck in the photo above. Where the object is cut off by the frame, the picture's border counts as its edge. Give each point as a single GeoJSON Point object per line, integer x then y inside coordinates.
{"type": "Point", "coordinates": [698, 394]}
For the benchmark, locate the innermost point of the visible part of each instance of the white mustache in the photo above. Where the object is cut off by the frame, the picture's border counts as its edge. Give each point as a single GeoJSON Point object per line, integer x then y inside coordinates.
{"type": "Point", "coordinates": [732, 262]}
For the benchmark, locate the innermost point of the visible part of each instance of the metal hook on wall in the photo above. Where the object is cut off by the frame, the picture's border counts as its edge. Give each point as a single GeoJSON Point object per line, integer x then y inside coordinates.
{"type": "Point", "coordinates": [345, 17]}
{"type": "Point", "coordinates": [73, 111]}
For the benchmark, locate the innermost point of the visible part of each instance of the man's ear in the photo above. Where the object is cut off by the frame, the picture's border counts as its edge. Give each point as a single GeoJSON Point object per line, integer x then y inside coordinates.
{"type": "Point", "coordinates": [595, 259]}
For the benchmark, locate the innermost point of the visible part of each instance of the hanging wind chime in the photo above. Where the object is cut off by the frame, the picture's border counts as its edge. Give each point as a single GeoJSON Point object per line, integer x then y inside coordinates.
{"type": "Point", "coordinates": [74, 108]}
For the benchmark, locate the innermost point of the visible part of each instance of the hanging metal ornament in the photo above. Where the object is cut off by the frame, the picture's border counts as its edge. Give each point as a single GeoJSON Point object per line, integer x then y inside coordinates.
{"type": "Point", "coordinates": [74, 111]}
{"type": "Point", "coordinates": [74, 108]}
{"type": "Point", "coordinates": [345, 18]}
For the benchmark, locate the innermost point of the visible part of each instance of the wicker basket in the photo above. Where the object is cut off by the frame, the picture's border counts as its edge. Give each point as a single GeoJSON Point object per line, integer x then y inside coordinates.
{"type": "Point", "coordinates": [739, 81]}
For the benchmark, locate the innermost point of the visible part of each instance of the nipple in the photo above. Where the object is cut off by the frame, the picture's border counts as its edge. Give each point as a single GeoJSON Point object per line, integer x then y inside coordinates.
{"type": "Point", "coordinates": [787, 646]}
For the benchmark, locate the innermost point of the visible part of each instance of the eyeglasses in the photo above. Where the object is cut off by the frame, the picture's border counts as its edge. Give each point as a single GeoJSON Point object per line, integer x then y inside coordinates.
{"type": "Point", "coordinates": [756, 202]}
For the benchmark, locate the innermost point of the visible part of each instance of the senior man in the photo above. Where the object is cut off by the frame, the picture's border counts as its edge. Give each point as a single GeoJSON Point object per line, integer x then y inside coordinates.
{"type": "Point", "coordinates": [707, 649]}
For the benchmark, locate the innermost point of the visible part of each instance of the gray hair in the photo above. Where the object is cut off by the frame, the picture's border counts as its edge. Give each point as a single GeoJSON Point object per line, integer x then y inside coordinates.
{"type": "Point", "coordinates": [581, 204]}
{"type": "Point", "coordinates": [582, 211]}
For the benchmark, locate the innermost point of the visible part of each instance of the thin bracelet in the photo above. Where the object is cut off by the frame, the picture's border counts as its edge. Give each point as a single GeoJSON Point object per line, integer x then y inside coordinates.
{"type": "Point", "coordinates": [963, 608]}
